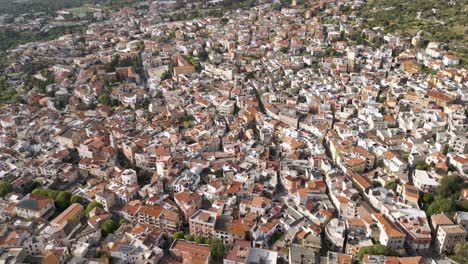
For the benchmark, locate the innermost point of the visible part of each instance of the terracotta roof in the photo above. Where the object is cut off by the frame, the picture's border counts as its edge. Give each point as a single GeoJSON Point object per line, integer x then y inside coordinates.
{"type": "Point", "coordinates": [71, 212]}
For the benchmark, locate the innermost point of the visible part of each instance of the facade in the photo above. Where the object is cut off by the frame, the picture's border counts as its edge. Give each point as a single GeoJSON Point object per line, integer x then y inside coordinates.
{"type": "Point", "coordinates": [35, 206]}
{"type": "Point", "coordinates": [390, 235]}
{"type": "Point", "coordinates": [203, 223]}
{"type": "Point", "coordinates": [167, 220]}
{"type": "Point", "coordinates": [448, 236]}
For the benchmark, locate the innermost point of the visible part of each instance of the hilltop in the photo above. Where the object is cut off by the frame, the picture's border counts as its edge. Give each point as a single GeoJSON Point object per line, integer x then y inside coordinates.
{"type": "Point", "coordinates": [443, 21]}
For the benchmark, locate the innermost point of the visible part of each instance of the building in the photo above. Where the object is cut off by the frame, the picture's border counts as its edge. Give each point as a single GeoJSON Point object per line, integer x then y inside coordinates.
{"type": "Point", "coordinates": [56, 256]}
{"type": "Point", "coordinates": [335, 234]}
{"type": "Point", "coordinates": [35, 206]}
{"type": "Point", "coordinates": [69, 220]}
{"type": "Point", "coordinates": [167, 220]}
{"type": "Point", "coordinates": [390, 236]}
{"type": "Point", "coordinates": [238, 253]}
{"type": "Point", "coordinates": [378, 259]}
{"type": "Point", "coordinates": [423, 181]}
{"type": "Point", "coordinates": [188, 252]}
{"type": "Point", "coordinates": [129, 177]}
{"type": "Point", "coordinates": [459, 142]}
{"type": "Point", "coordinates": [301, 255]}
{"type": "Point", "coordinates": [461, 218]}
{"type": "Point", "coordinates": [448, 236]}
{"type": "Point", "coordinates": [188, 202]}
{"type": "Point", "coordinates": [106, 198]}
{"type": "Point", "coordinates": [203, 223]}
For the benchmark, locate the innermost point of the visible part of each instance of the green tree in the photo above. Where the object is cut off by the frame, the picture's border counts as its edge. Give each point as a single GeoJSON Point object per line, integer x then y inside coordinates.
{"type": "Point", "coordinates": [203, 55]}
{"type": "Point", "coordinates": [199, 239]}
{"type": "Point", "coordinates": [393, 186]}
{"type": "Point", "coordinates": [441, 205]}
{"type": "Point", "coordinates": [177, 235]}
{"type": "Point", "coordinates": [76, 199]}
{"type": "Point", "coordinates": [449, 185]}
{"type": "Point", "coordinates": [29, 187]}
{"type": "Point", "coordinates": [5, 187]}
{"type": "Point", "coordinates": [108, 227]}
{"type": "Point", "coordinates": [123, 221]}
{"type": "Point", "coordinates": [62, 200]}
{"type": "Point", "coordinates": [374, 250]}
{"type": "Point", "coordinates": [217, 248]}
{"type": "Point", "coordinates": [91, 206]}
{"type": "Point", "coordinates": [166, 75]}
{"type": "Point", "coordinates": [188, 237]}
{"type": "Point", "coordinates": [105, 99]}
{"type": "Point", "coordinates": [461, 252]}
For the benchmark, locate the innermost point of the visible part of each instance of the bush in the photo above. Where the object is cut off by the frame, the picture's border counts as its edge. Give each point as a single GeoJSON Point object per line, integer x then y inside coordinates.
{"type": "Point", "coordinates": [217, 248]}
{"type": "Point", "coordinates": [374, 250]}
{"type": "Point", "coordinates": [90, 207]}
{"type": "Point", "coordinates": [76, 199]}
{"type": "Point", "coordinates": [62, 199]}
{"type": "Point", "coordinates": [188, 237]}
{"type": "Point", "coordinates": [5, 187]}
{"type": "Point", "coordinates": [177, 235]}
{"type": "Point", "coordinates": [108, 227]}
{"type": "Point", "coordinates": [199, 239]}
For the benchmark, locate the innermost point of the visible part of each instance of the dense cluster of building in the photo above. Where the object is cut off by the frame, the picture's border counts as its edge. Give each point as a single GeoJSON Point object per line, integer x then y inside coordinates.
{"type": "Point", "coordinates": [267, 129]}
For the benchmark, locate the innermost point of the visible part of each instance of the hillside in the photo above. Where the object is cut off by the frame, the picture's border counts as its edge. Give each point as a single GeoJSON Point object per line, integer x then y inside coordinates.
{"type": "Point", "coordinates": [444, 21]}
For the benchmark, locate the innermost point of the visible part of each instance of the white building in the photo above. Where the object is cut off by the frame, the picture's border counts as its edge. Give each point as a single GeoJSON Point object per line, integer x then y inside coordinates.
{"type": "Point", "coordinates": [423, 181]}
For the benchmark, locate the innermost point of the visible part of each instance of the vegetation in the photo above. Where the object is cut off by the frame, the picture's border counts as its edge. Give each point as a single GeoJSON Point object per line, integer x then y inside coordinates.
{"type": "Point", "coordinates": [188, 237]}
{"type": "Point", "coordinates": [275, 236]}
{"type": "Point", "coordinates": [376, 250]}
{"type": "Point", "coordinates": [62, 199]}
{"type": "Point", "coordinates": [76, 199]}
{"type": "Point", "coordinates": [7, 93]}
{"type": "Point", "coordinates": [106, 99]}
{"type": "Point", "coordinates": [29, 187]}
{"type": "Point", "coordinates": [5, 187]}
{"type": "Point", "coordinates": [199, 239]}
{"type": "Point", "coordinates": [178, 235]}
{"type": "Point", "coordinates": [90, 207]}
{"type": "Point", "coordinates": [461, 252]}
{"type": "Point", "coordinates": [194, 62]}
{"type": "Point", "coordinates": [123, 221]}
{"type": "Point", "coordinates": [108, 226]}
{"type": "Point", "coordinates": [442, 21]}
{"type": "Point", "coordinates": [217, 248]}
{"type": "Point", "coordinates": [423, 166]}
{"type": "Point", "coordinates": [445, 198]}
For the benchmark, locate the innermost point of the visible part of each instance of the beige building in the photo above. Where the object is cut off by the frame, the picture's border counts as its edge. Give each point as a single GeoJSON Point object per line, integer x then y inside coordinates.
{"type": "Point", "coordinates": [203, 223]}
{"type": "Point", "coordinates": [448, 236]}
{"type": "Point", "coordinates": [35, 206]}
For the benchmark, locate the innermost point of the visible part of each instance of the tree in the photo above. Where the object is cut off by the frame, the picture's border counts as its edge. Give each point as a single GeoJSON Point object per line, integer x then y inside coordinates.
{"type": "Point", "coordinates": [203, 55]}
{"type": "Point", "coordinates": [123, 221]}
{"type": "Point", "coordinates": [76, 199]}
{"type": "Point", "coordinates": [5, 187]}
{"type": "Point", "coordinates": [199, 239]}
{"type": "Point", "coordinates": [90, 207]}
{"type": "Point", "coordinates": [177, 235]}
{"type": "Point", "coordinates": [441, 205]}
{"type": "Point", "coordinates": [374, 250]}
{"type": "Point", "coordinates": [188, 237]}
{"type": "Point", "coordinates": [449, 185]}
{"type": "Point", "coordinates": [105, 99]}
{"type": "Point", "coordinates": [217, 248]}
{"type": "Point", "coordinates": [108, 227]}
{"type": "Point", "coordinates": [423, 166]}
{"type": "Point", "coordinates": [29, 187]}
{"type": "Point", "coordinates": [461, 252]}
{"type": "Point", "coordinates": [393, 186]}
{"type": "Point", "coordinates": [62, 200]}
{"type": "Point", "coordinates": [166, 75]}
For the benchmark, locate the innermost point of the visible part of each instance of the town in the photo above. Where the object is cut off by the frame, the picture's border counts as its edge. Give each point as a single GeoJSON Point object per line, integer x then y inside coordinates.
{"type": "Point", "coordinates": [276, 132]}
